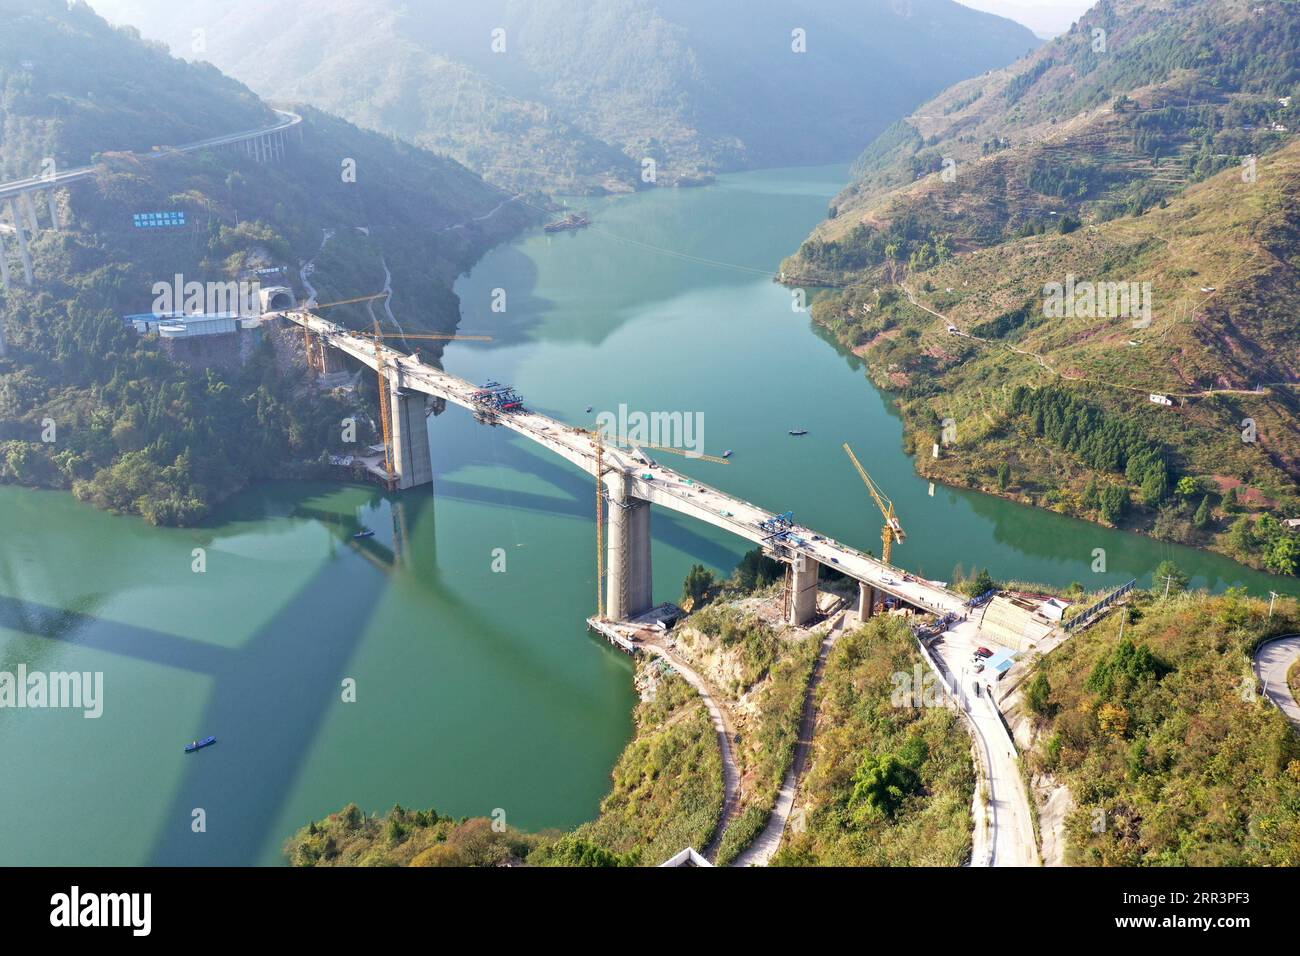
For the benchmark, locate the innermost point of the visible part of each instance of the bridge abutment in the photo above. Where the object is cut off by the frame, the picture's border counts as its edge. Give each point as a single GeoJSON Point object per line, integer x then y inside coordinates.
{"type": "Point", "coordinates": [412, 462]}
{"type": "Point", "coordinates": [802, 589]}
{"type": "Point", "coordinates": [630, 581]}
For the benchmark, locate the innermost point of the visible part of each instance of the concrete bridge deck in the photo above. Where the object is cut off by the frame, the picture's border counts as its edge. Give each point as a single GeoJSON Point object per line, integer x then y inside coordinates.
{"type": "Point", "coordinates": [631, 483]}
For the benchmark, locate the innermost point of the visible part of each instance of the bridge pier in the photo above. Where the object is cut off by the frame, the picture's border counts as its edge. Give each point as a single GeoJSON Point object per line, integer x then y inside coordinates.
{"type": "Point", "coordinates": [630, 583]}
{"type": "Point", "coordinates": [412, 463]}
{"type": "Point", "coordinates": [23, 251]}
{"type": "Point", "coordinates": [4, 263]}
{"type": "Point", "coordinates": [866, 601]}
{"type": "Point", "coordinates": [331, 360]}
{"type": "Point", "coordinates": [54, 209]}
{"type": "Point", "coordinates": [801, 590]}
{"type": "Point", "coordinates": [30, 208]}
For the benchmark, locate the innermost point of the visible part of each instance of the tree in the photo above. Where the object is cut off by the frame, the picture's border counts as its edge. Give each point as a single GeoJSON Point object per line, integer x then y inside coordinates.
{"type": "Point", "coordinates": [1004, 476]}
{"type": "Point", "coordinates": [1171, 575]}
{"type": "Point", "coordinates": [699, 581]}
{"type": "Point", "coordinates": [880, 785]}
{"type": "Point", "coordinates": [976, 584]}
{"type": "Point", "coordinates": [1283, 555]}
{"type": "Point", "coordinates": [1091, 498]}
{"type": "Point", "coordinates": [1155, 485]}
{"type": "Point", "coordinates": [1241, 537]}
{"type": "Point", "coordinates": [756, 571]}
{"type": "Point", "coordinates": [1038, 696]}
{"type": "Point", "coordinates": [1114, 502]}
{"type": "Point", "coordinates": [1188, 486]}
{"type": "Point", "coordinates": [1203, 515]}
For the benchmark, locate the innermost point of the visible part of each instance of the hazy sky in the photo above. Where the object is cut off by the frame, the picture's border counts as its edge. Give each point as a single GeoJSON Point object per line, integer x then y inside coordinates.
{"type": "Point", "coordinates": [1045, 17]}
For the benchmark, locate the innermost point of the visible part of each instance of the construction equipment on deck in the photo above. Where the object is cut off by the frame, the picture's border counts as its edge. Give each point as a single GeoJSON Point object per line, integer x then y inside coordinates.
{"type": "Point", "coordinates": [893, 530]}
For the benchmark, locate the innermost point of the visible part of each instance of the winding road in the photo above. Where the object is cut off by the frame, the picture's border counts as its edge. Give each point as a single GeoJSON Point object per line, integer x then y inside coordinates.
{"type": "Point", "coordinates": [1272, 661]}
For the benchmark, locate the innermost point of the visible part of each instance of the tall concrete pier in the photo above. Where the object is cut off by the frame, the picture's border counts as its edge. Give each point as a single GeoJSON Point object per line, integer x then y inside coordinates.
{"type": "Point", "coordinates": [802, 585]}
{"type": "Point", "coordinates": [23, 252]}
{"type": "Point", "coordinates": [630, 582]}
{"type": "Point", "coordinates": [411, 459]}
{"type": "Point", "coordinates": [866, 600]}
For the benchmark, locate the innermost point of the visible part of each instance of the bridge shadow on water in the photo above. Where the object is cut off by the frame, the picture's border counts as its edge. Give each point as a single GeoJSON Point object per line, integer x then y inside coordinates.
{"type": "Point", "coordinates": [269, 700]}
{"type": "Point", "coordinates": [270, 697]}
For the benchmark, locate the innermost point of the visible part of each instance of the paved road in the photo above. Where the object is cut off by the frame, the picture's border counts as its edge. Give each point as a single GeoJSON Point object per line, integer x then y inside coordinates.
{"type": "Point", "coordinates": [1272, 661]}
{"type": "Point", "coordinates": [1011, 827]}
{"type": "Point", "coordinates": [765, 845]}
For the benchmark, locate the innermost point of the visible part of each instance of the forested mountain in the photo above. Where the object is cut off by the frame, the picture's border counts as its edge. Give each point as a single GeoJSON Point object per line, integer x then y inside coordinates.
{"type": "Point", "coordinates": [134, 431]}
{"type": "Point", "coordinates": [1146, 159]}
{"type": "Point", "coordinates": [577, 93]}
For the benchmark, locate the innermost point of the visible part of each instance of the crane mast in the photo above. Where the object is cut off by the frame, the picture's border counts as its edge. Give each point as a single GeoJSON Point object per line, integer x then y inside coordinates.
{"type": "Point", "coordinates": [893, 529]}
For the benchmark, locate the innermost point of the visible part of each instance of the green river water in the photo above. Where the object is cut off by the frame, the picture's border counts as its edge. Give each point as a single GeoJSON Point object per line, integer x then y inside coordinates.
{"type": "Point", "coordinates": [476, 689]}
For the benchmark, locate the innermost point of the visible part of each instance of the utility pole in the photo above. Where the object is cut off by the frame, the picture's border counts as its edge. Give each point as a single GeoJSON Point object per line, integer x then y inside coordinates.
{"type": "Point", "coordinates": [1272, 599]}
{"type": "Point", "coordinates": [1169, 579]}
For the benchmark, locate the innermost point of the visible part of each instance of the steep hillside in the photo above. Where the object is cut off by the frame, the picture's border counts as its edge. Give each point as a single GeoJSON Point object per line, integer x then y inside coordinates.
{"type": "Point", "coordinates": [136, 432]}
{"type": "Point", "coordinates": [1171, 753]}
{"type": "Point", "coordinates": [1173, 230]}
{"type": "Point", "coordinates": [575, 94]}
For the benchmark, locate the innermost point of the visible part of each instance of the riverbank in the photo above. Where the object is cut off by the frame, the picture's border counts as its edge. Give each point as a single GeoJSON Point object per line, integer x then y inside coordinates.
{"type": "Point", "coordinates": [1001, 444]}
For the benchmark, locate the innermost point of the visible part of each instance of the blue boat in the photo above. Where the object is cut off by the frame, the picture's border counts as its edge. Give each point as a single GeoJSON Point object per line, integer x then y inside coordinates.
{"type": "Point", "coordinates": [200, 744]}
{"type": "Point", "coordinates": [364, 534]}
{"type": "Point", "coordinates": [727, 453]}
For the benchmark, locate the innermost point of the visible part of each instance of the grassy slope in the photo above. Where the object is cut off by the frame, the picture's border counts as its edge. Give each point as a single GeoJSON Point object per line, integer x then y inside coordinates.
{"type": "Point", "coordinates": [1188, 765]}
{"type": "Point", "coordinates": [762, 673]}
{"type": "Point", "coordinates": [856, 719]}
{"type": "Point", "coordinates": [667, 791]}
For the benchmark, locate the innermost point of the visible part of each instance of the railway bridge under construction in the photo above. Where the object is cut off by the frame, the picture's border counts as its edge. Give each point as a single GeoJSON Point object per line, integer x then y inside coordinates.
{"type": "Point", "coordinates": [631, 483]}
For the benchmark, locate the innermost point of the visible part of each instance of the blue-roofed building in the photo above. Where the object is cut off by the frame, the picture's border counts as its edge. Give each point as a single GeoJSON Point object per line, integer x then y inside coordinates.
{"type": "Point", "coordinates": [999, 664]}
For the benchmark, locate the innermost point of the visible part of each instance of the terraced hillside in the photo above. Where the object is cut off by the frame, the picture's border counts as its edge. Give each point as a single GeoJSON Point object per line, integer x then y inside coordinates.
{"type": "Point", "coordinates": [1154, 185]}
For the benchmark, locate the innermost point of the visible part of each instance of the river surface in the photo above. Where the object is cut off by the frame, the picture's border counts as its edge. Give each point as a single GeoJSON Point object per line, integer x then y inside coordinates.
{"type": "Point", "coordinates": [461, 622]}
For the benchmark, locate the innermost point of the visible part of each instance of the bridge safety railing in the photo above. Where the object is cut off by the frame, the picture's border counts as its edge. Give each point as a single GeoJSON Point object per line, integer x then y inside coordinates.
{"type": "Point", "coordinates": [1086, 617]}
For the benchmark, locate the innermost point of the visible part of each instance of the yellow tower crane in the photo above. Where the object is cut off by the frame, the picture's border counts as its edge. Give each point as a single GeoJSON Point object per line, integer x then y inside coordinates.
{"type": "Point", "coordinates": [893, 530]}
